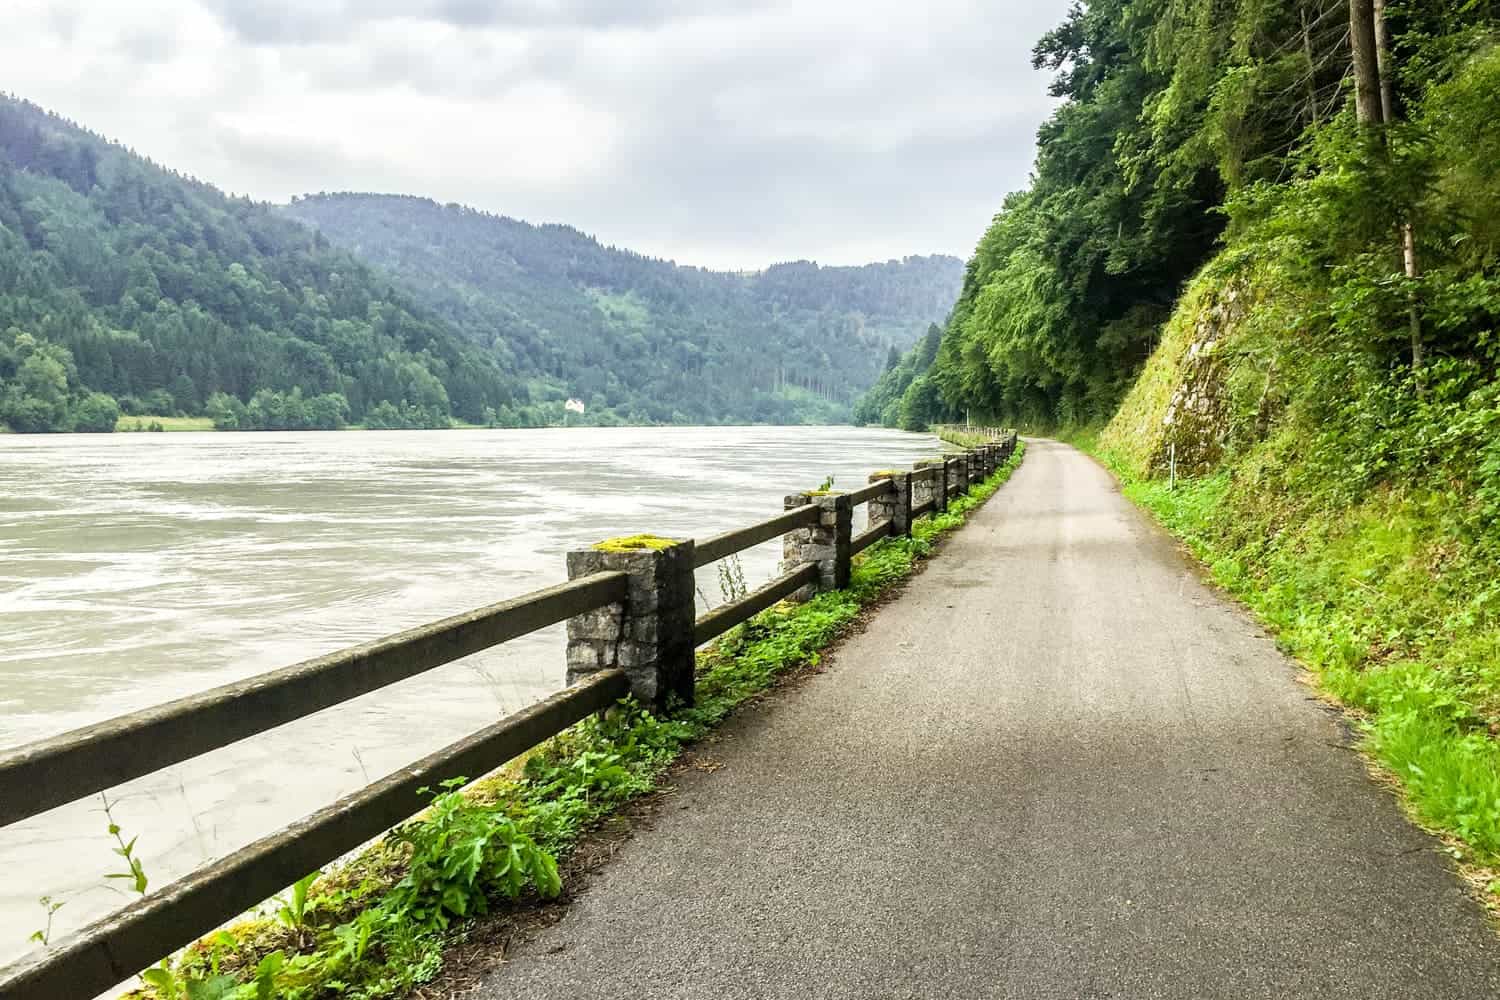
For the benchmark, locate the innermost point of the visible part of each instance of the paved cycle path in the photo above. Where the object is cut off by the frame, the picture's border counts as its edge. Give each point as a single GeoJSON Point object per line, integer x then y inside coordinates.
{"type": "Point", "coordinates": [1058, 766]}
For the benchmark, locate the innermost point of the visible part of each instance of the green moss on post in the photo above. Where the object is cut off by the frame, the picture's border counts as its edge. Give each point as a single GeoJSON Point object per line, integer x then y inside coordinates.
{"type": "Point", "coordinates": [636, 543]}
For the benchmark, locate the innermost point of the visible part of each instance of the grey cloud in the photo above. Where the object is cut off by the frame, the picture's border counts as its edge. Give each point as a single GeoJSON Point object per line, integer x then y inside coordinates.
{"type": "Point", "coordinates": [715, 133]}
{"type": "Point", "coordinates": [148, 46]}
{"type": "Point", "coordinates": [290, 22]}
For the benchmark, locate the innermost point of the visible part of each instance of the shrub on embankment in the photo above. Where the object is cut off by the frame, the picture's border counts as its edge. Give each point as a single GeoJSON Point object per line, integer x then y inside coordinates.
{"type": "Point", "coordinates": [380, 924]}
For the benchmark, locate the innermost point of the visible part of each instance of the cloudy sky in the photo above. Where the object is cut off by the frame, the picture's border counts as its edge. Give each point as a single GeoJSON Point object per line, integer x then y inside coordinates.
{"type": "Point", "coordinates": [728, 133]}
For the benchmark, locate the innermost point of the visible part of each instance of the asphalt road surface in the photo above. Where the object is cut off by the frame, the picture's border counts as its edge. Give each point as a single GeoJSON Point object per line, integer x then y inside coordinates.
{"type": "Point", "coordinates": [1058, 766]}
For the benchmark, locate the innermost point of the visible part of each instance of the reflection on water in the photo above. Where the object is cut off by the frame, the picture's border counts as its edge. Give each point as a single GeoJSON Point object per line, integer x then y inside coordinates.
{"type": "Point", "coordinates": [139, 568]}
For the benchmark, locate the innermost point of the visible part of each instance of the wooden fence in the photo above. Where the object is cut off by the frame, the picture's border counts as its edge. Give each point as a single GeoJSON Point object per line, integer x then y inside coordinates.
{"type": "Point", "coordinates": [632, 602]}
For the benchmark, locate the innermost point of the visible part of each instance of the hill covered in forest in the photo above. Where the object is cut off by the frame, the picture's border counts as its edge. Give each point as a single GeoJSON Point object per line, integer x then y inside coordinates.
{"type": "Point", "coordinates": [640, 339]}
{"type": "Point", "coordinates": [128, 287]}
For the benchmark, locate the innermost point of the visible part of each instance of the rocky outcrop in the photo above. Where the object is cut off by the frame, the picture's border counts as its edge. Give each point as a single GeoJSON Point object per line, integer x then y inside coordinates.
{"type": "Point", "coordinates": [1196, 421]}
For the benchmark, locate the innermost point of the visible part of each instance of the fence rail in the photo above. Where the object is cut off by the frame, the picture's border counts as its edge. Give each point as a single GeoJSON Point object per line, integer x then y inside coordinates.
{"type": "Point", "coordinates": [869, 537]}
{"type": "Point", "coordinates": [720, 546]}
{"type": "Point", "coordinates": [120, 945]}
{"type": "Point", "coordinates": [878, 488]}
{"type": "Point", "coordinates": [79, 763]}
{"type": "Point", "coordinates": [727, 616]}
{"type": "Point", "coordinates": [601, 609]}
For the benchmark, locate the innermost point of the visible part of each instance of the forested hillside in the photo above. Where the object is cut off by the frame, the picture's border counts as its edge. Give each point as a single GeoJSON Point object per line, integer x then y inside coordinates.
{"type": "Point", "coordinates": [124, 285]}
{"type": "Point", "coordinates": [1262, 245]}
{"type": "Point", "coordinates": [904, 396]}
{"type": "Point", "coordinates": [638, 339]}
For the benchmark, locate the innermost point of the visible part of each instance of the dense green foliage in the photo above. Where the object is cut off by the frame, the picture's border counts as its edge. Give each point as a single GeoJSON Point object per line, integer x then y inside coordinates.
{"type": "Point", "coordinates": [159, 291]}
{"type": "Point", "coordinates": [905, 395]}
{"type": "Point", "coordinates": [379, 925]}
{"type": "Point", "coordinates": [641, 340]}
{"type": "Point", "coordinates": [1181, 117]}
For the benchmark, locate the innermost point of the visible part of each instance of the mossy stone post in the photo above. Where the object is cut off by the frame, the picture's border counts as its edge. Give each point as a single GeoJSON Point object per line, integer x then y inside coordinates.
{"type": "Point", "coordinates": [938, 484]}
{"type": "Point", "coordinates": [895, 506]}
{"type": "Point", "coordinates": [825, 542]}
{"type": "Point", "coordinates": [921, 487]}
{"type": "Point", "coordinates": [961, 466]}
{"type": "Point", "coordinates": [650, 635]}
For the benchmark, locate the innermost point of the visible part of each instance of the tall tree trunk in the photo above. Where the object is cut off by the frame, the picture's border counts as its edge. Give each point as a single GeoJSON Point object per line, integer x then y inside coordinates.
{"type": "Point", "coordinates": [1414, 318]}
{"type": "Point", "coordinates": [1384, 65]}
{"type": "Point", "coordinates": [1312, 67]}
{"type": "Point", "coordinates": [1387, 70]}
{"type": "Point", "coordinates": [1366, 62]}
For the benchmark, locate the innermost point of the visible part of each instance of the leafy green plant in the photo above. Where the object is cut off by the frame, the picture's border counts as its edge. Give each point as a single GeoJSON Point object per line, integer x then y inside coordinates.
{"type": "Point", "coordinates": [135, 873]}
{"type": "Point", "coordinates": [295, 911]}
{"type": "Point", "coordinates": [732, 585]}
{"type": "Point", "coordinates": [459, 851]}
{"type": "Point", "coordinates": [43, 935]}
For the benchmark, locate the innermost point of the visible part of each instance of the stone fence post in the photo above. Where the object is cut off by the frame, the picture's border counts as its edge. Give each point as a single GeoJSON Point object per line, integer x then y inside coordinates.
{"type": "Point", "coordinates": [895, 506]}
{"type": "Point", "coordinates": [826, 542]}
{"type": "Point", "coordinates": [938, 484]}
{"type": "Point", "coordinates": [650, 635]}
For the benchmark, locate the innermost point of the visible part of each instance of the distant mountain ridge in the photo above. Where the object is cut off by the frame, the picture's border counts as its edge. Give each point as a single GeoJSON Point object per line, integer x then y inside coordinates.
{"type": "Point", "coordinates": [639, 338]}
{"type": "Point", "coordinates": [125, 286]}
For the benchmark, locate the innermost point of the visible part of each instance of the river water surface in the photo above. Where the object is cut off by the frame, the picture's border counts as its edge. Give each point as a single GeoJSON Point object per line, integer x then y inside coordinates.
{"type": "Point", "coordinates": [136, 568]}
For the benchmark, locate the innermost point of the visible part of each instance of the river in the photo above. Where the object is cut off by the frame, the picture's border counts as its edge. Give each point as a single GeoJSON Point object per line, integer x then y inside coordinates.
{"type": "Point", "coordinates": [136, 568]}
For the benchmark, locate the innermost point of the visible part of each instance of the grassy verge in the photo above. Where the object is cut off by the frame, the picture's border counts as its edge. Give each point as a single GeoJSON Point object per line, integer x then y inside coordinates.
{"type": "Point", "coordinates": [150, 423]}
{"type": "Point", "coordinates": [963, 438]}
{"type": "Point", "coordinates": [380, 924]}
{"type": "Point", "coordinates": [1393, 606]}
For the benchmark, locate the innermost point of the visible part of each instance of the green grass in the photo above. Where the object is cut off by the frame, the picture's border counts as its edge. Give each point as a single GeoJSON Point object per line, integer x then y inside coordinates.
{"type": "Point", "coordinates": [145, 423]}
{"type": "Point", "coordinates": [379, 925]}
{"type": "Point", "coordinates": [1389, 602]}
{"type": "Point", "coordinates": [962, 437]}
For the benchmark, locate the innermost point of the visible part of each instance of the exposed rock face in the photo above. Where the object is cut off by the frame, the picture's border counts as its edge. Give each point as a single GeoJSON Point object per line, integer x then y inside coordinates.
{"type": "Point", "coordinates": [1197, 417]}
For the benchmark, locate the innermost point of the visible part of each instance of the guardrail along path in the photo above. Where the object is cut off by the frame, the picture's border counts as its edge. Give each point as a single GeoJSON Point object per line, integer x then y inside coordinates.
{"type": "Point", "coordinates": [1058, 767]}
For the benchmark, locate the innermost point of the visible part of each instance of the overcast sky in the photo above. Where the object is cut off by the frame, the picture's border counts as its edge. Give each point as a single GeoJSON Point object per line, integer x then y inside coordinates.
{"type": "Point", "coordinates": [722, 133]}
